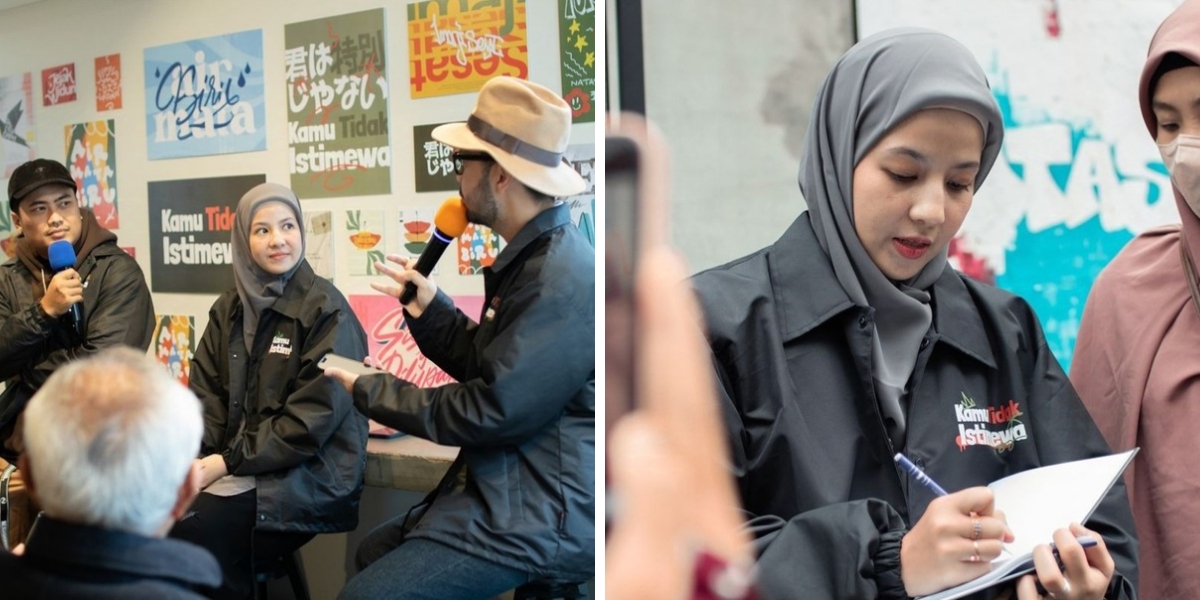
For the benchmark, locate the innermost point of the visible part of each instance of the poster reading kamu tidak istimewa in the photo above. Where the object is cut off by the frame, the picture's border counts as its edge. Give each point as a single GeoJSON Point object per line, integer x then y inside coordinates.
{"type": "Point", "coordinates": [337, 96]}
{"type": "Point", "coordinates": [454, 46]}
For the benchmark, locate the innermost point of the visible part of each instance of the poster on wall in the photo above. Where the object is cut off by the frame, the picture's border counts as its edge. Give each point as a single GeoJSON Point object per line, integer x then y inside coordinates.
{"type": "Point", "coordinates": [175, 344]}
{"type": "Point", "coordinates": [393, 347]}
{"type": "Point", "coordinates": [191, 251]}
{"type": "Point", "coordinates": [478, 247]}
{"type": "Point", "coordinates": [92, 159]}
{"type": "Point", "coordinates": [16, 122]}
{"type": "Point", "coordinates": [205, 96]}
{"type": "Point", "coordinates": [108, 82]}
{"type": "Point", "coordinates": [1078, 176]}
{"type": "Point", "coordinates": [58, 84]}
{"type": "Point", "coordinates": [433, 167]}
{"type": "Point", "coordinates": [582, 158]}
{"type": "Point", "coordinates": [318, 243]}
{"type": "Point", "coordinates": [455, 46]}
{"type": "Point", "coordinates": [577, 50]}
{"type": "Point", "coordinates": [337, 96]}
{"type": "Point", "coordinates": [416, 225]}
{"type": "Point", "coordinates": [365, 229]}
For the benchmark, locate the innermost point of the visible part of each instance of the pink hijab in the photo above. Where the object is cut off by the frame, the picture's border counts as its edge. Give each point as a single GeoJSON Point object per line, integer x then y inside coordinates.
{"type": "Point", "coordinates": [1137, 365]}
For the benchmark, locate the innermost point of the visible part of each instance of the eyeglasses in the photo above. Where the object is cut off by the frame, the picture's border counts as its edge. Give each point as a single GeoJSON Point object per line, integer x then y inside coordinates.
{"type": "Point", "coordinates": [460, 159]}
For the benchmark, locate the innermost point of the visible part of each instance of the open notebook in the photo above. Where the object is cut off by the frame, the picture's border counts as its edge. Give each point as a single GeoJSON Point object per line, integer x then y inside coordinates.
{"type": "Point", "coordinates": [1038, 502]}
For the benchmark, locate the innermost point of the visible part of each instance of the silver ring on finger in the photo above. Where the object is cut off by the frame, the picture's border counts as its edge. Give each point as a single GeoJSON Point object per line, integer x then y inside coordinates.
{"type": "Point", "coordinates": [978, 529]}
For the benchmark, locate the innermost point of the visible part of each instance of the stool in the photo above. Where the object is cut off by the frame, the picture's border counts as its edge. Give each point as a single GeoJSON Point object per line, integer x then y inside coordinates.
{"type": "Point", "coordinates": [549, 589]}
{"type": "Point", "coordinates": [289, 565]}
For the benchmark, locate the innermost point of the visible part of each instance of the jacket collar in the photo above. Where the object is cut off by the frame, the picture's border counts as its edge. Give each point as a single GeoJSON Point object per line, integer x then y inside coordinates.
{"type": "Point", "coordinates": [74, 547]}
{"type": "Point", "coordinates": [807, 294]}
{"type": "Point", "coordinates": [551, 218]}
{"type": "Point", "coordinates": [291, 302]}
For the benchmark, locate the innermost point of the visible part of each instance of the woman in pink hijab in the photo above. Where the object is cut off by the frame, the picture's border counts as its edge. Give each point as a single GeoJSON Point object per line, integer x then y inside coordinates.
{"type": "Point", "coordinates": [1137, 361]}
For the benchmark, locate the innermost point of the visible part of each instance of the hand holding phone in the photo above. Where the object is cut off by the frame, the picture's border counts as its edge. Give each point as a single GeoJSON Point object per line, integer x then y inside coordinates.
{"type": "Point", "coordinates": [350, 365]}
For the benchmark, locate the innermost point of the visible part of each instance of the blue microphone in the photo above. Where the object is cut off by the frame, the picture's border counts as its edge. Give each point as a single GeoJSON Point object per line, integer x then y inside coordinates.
{"type": "Point", "coordinates": [62, 257]}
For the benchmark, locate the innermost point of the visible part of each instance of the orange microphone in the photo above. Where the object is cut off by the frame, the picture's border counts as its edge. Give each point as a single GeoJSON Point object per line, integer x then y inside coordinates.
{"type": "Point", "coordinates": [449, 223]}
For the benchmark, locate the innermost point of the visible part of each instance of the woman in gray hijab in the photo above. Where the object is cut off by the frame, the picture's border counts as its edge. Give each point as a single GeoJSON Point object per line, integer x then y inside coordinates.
{"type": "Point", "coordinates": [283, 450]}
{"type": "Point", "coordinates": [852, 339]}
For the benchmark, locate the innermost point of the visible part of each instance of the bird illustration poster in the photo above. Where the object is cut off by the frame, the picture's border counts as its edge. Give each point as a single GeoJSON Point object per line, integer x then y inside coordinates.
{"type": "Point", "coordinates": [16, 122]}
{"type": "Point", "coordinates": [577, 46]}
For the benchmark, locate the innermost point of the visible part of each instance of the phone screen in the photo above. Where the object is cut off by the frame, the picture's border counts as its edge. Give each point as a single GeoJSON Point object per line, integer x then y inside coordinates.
{"type": "Point", "coordinates": [621, 178]}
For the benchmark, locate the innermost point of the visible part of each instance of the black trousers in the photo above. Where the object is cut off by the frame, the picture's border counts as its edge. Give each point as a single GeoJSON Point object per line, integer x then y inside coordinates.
{"type": "Point", "coordinates": [225, 527]}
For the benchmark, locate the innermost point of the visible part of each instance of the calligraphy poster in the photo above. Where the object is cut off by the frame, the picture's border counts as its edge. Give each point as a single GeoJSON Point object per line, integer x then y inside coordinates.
{"type": "Point", "coordinates": [16, 124]}
{"type": "Point", "coordinates": [582, 158]}
{"type": "Point", "coordinates": [365, 230]}
{"type": "Point", "coordinates": [191, 247]}
{"type": "Point", "coordinates": [337, 96]}
{"type": "Point", "coordinates": [205, 96]}
{"type": "Point", "coordinates": [434, 169]}
{"type": "Point", "coordinates": [58, 84]}
{"type": "Point", "coordinates": [454, 46]}
{"type": "Point", "coordinates": [1079, 175]}
{"type": "Point", "coordinates": [391, 345]}
{"type": "Point", "coordinates": [478, 247]}
{"type": "Point", "coordinates": [577, 49]}
{"type": "Point", "coordinates": [318, 243]}
{"type": "Point", "coordinates": [175, 344]}
{"type": "Point", "coordinates": [108, 82]}
{"type": "Point", "coordinates": [92, 159]}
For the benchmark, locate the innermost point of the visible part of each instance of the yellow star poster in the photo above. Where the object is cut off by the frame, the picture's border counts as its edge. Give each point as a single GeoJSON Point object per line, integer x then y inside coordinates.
{"type": "Point", "coordinates": [577, 42]}
{"type": "Point", "coordinates": [454, 46]}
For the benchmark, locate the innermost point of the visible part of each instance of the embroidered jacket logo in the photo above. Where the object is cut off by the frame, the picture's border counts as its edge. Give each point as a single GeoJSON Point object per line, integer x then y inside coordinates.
{"type": "Point", "coordinates": [280, 345]}
{"type": "Point", "coordinates": [974, 425]}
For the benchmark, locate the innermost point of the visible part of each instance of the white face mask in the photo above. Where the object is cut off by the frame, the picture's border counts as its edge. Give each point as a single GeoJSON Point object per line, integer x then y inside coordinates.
{"type": "Point", "coordinates": [1182, 157]}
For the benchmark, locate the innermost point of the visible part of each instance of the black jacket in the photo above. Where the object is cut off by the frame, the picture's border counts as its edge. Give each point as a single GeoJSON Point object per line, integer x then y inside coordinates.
{"type": "Point", "coordinates": [117, 310]}
{"type": "Point", "coordinates": [523, 412]}
{"type": "Point", "coordinates": [67, 561]}
{"type": "Point", "coordinates": [302, 439]}
{"type": "Point", "coordinates": [810, 447]}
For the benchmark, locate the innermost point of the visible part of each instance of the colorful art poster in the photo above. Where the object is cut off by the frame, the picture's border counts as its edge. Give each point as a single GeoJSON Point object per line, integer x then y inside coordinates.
{"type": "Point", "coordinates": [433, 167]}
{"type": "Point", "coordinates": [58, 84]}
{"type": "Point", "coordinates": [337, 94]}
{"type": "Point", "coordinates": [454, 46]}
{"type": "Point", "coordinates": [92, 160]}
{"type": "Point", "coordinates": [416, 225]}
{"type": "Point", "coordinates": [365, 230]}
{"type": "Point", "coordinates": [191, 248]}
{"type": "Point", "coordinates": [16, 123]}
{"type": "Point", "coordinates": [577, 49]}
{"type": "Point", "coordinates": [175, 344]}
{"type": "Point", "coordinates": [392, 346]}
{"type": "Point", "coordinates": [582, 158]}
{"type": "Point", "coordinates": [108, 82]}
{"type": "Point", "coordinates": [478, 247]}
{"type": "Point", "coordinates": [318, 243]}
{"type": "Point", "coordinates": [205, 96]}
{"type": "Point", "coordinates": [1078, 176]}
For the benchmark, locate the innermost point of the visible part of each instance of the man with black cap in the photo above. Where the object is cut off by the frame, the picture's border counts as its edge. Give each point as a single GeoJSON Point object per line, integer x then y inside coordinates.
{"type": "Point", "coordinates": [38, 332]}
{"type": "Point", "coordinates": [523, 410]}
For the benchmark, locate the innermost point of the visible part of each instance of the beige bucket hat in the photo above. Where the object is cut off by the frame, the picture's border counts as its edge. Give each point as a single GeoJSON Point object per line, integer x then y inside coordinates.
{"type": "Point", "coordinates": [525, 128]}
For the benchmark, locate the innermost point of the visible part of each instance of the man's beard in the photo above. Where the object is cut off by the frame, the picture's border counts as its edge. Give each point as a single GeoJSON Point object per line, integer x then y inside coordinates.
{"type": "Point", "coordinates": [486, 215]}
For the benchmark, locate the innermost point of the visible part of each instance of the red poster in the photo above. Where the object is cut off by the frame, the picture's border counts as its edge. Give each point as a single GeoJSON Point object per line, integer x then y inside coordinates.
{"type": "Point", "coordinates": [58, 85]}
{"type": "Point", "coordinates": [108, 82]}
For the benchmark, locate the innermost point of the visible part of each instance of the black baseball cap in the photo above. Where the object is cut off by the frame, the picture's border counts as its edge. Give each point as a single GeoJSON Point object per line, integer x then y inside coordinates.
{"type": "Point", "coordinates": [33, 175]}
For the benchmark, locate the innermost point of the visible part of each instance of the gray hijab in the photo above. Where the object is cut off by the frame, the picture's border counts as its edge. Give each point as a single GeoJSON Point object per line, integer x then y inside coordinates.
{"type": "Point", "coordinates": [875, 86]}
{"type": "Point", "coordinates": [257, 288]}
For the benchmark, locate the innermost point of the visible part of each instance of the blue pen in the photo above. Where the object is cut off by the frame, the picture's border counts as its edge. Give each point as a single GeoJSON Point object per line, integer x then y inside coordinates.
{"type": "Point", "coordinates": [919, 475]}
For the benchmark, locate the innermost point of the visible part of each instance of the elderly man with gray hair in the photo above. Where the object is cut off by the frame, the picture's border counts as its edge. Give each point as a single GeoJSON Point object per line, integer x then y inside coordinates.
{"type": "Point", "coordinates": [110, 442]}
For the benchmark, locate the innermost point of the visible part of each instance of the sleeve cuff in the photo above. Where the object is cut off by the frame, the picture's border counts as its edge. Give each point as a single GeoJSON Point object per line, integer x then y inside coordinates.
{"type": "Point", "coordinates": [887, 566]}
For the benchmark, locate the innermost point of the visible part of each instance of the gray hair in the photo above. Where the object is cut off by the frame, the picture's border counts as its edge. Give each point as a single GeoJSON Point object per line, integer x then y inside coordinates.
{"type": "Point", "coordinates": [110, 440]}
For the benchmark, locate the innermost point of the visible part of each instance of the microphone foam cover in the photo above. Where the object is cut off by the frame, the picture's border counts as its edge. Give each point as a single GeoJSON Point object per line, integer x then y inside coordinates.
{"type": "Point", "coordinates": [62, 255]}
{"type": "Point", "coordinates": [451, 217]}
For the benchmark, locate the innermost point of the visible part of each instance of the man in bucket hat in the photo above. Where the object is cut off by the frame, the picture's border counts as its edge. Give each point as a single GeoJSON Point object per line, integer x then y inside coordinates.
{"type": "Point", "coordinates": [523, 410]}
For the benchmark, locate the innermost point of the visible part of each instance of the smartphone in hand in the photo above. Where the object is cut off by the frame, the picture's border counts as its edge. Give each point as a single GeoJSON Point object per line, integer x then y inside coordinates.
{"type": "Point", "coordinates": [347, 364]}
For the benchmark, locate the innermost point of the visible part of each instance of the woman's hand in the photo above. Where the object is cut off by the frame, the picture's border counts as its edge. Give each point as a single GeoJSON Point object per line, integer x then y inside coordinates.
{"type": "Point", "coordinates": [955, 541]}
{"type": "Point", "coordinates": [1085, 572]}
{"type": "Point", "coordinates": [426, 288]}
{"type": "Point", "coordinates": [212, 468]}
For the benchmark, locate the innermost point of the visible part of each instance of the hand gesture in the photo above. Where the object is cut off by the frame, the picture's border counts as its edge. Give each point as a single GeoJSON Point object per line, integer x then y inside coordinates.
{"type": "Point", "coordinates": [955, 541]}
{"type": "Point", "coordinates": [426, 288]}
{"type": "Point", "coordinates": [1084, 572]}
{"type": "Point", "coordinates": [65, 289]}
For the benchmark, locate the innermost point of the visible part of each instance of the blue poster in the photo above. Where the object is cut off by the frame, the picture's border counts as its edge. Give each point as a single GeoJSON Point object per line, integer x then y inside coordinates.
{"type": "Point", "coordinates": [205, 96]}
